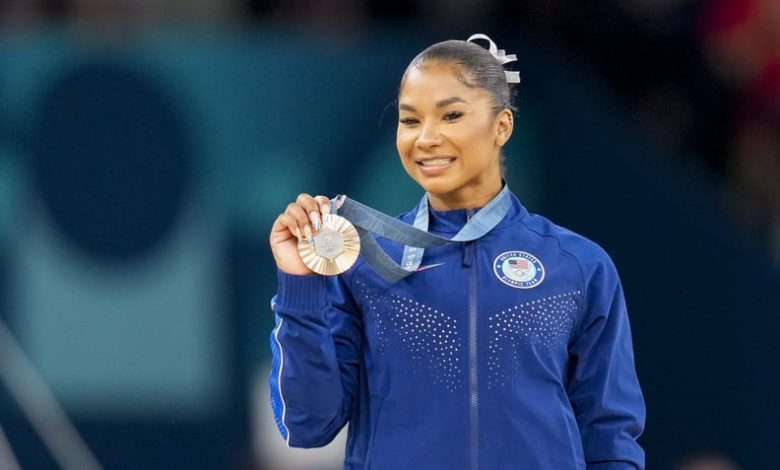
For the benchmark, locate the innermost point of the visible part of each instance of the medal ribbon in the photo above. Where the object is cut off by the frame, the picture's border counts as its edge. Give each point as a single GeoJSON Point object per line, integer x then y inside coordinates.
{"type": "Point", "coordinates": [415, 237]}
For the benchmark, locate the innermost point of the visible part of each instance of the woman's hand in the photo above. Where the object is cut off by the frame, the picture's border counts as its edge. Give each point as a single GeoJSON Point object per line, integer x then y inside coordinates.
{"type": "Point", "coordinates": [301, 219]}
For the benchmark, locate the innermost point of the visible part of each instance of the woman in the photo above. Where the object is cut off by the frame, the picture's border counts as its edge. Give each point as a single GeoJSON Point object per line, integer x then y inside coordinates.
{"type": "Point", "coordinates": [509, 351]}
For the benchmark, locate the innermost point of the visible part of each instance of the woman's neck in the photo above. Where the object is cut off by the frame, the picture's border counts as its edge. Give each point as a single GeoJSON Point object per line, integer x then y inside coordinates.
{"type": "Point", "coordinates": [478, 197]}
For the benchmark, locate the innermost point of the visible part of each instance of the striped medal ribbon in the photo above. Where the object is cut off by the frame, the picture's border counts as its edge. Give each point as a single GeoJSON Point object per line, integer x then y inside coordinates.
{"type": "Point", "coordinates": [357, 221]}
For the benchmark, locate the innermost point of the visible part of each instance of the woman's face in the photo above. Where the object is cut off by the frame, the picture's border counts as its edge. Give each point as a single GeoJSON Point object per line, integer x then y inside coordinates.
{"type": "Point", "coordinates": [449, 136]}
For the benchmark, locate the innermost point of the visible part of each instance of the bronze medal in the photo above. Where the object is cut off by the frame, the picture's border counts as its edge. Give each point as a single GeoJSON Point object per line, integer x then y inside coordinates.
{"type": "Point", "coordinates": [335, 248]}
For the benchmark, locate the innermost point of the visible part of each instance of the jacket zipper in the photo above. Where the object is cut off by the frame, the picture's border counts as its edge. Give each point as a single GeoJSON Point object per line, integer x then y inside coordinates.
{"type": "Point", "coordinates": [468, 260]}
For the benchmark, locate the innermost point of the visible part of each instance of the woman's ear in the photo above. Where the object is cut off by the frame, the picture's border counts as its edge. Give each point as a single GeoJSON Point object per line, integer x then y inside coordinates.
{"type": "Point", "coordinates": [505, 126]}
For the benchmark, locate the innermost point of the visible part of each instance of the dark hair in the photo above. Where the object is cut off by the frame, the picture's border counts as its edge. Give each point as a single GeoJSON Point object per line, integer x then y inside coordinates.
{"type": "Point", "coordinates": [476, 68]}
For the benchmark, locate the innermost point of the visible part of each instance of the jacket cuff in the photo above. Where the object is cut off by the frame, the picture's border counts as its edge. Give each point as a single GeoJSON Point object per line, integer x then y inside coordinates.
{"type": "Point", "coordinates": [301, 292]}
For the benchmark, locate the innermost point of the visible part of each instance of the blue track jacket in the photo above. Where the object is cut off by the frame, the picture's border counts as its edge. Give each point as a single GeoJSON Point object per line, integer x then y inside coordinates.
{"type": "Point", "coordinates": [509, 352]}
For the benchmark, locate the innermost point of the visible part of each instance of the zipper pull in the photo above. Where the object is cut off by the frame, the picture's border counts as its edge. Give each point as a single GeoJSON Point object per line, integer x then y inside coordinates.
{"type": "Point", "coordinates": [468, 247]}
{"type": "Point", "coordinates": [468, 253]}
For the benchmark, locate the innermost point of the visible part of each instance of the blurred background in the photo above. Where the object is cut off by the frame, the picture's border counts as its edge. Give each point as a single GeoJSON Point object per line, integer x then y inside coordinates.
{"type": "Point", "coordinates": [146, 146]}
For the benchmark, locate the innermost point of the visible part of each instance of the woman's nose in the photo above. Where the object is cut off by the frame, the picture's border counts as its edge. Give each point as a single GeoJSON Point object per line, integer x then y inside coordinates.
{"type": "Point", "coordinates": [429, 137]}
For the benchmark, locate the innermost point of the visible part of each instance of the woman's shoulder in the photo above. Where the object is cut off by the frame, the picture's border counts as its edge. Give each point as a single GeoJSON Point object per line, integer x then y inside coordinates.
{"type": "Point", "coordinates": [585, 251]}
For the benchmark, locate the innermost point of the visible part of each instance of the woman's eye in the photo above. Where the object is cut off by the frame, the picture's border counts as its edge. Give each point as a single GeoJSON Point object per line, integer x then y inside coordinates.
{"type": "Point", "coordinates": [408, 121]}
{"type": "Point", "coordinates": [452, 115]}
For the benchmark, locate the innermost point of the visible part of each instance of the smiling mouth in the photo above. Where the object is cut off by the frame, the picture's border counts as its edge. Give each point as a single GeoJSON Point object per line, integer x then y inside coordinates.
{"type": "Point", "coordinates": [434, 162]}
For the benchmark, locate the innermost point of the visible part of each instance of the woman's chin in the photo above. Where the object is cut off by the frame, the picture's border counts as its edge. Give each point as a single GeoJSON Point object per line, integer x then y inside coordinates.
{"type": "Point", "coordinates": [437, 187]}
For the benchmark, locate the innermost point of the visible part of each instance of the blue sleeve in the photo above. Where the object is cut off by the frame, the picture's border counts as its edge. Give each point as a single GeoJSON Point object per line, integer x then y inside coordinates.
{"type": "Point", "coordinates": [603, 387]}
{"type": "Point", "coordinates": [316, 348]}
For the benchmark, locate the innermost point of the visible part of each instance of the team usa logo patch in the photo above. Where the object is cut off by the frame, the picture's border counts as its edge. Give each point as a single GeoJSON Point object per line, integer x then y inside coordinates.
{"type": "Point", "coordinates": [519, 269]}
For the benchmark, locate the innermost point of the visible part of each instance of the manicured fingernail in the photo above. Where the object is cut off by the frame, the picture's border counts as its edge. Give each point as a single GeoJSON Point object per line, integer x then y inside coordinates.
{"type": "Point", "coordinates": [297, 233]}
{"type": "Point", "coordinates": [325, 208]}
{"type": "Point", "coordinates": [307, 231]}
{"type": "Point", "coordinates": [315, 219]}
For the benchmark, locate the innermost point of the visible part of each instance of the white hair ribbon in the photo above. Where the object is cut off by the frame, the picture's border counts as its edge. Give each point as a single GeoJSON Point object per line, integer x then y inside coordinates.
{"type": "Point", "coordinates": [500, 55]}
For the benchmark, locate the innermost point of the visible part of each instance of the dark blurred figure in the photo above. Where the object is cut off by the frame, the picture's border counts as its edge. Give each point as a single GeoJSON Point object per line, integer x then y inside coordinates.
{"type": "Point", "coordinates": [741, 37]}
{"type": "Point", "coordinates": [754, 176]}
{"type": "Point", "coordinates": [742, 42]}
{"type": "Point", "coordinates": [706, 461]}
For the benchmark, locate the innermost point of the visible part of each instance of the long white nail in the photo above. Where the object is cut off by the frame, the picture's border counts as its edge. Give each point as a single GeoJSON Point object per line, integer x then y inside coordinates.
{"type": "Point", "coordinates": [315, 219]}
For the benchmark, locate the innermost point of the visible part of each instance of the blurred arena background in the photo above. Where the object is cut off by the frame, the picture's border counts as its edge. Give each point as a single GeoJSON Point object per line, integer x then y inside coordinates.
{"type": "Point", "coordinates": [146, 146]}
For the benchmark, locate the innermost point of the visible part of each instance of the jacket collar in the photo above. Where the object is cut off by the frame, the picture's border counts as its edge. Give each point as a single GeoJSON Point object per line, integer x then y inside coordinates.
{"type": "Point", "coordinates": [449, 222]}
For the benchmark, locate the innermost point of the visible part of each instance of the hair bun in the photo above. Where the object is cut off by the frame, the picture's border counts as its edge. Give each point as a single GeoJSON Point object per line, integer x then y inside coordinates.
{"type": "Point", "coordinates": [500, 55]}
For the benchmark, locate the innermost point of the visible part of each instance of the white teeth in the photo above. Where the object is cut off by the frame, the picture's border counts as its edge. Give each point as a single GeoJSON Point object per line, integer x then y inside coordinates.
{"type": "Point", "coordinates": [436, 162]}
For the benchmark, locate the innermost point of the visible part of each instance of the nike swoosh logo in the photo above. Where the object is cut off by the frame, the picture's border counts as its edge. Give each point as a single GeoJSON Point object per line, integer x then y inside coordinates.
{"type": "Point", "coordinates": [423, 268]}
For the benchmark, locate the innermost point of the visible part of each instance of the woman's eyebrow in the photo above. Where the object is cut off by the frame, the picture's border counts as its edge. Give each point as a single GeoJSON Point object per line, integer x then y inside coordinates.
{"type": "Point", "coordinates": [439, 104]}
{"type": "Point", "coordinates": [449, 101]}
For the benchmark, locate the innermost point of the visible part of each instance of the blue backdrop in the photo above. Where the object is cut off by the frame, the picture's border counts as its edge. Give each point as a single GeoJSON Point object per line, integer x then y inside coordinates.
{"type": "Point", "coordinates": [138, 183]}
